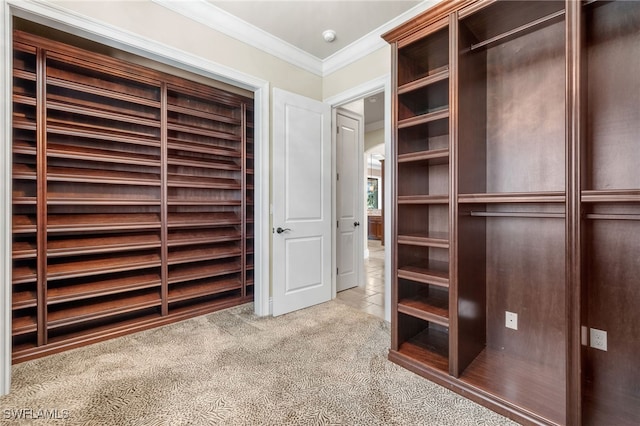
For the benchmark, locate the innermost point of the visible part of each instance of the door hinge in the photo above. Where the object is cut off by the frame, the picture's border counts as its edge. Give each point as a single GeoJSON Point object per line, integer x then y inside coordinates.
{"type": "Point", "coordinates": [337, 129]}
{"type": "Point", "coordinates": [337, 271]}
{"type": "Point", "coordinates": [337, 176]}
{"type": "Point", "coordinates": [337, 224]}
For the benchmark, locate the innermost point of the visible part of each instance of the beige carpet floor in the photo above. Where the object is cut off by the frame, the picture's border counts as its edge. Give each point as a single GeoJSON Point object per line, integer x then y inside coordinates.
{"type": "Point", "coordinates": [322, 365]}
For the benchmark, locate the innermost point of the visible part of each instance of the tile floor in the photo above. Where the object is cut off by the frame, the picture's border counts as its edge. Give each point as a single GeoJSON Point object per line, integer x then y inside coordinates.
{"type": "Point", "coordinates": [369, 296]}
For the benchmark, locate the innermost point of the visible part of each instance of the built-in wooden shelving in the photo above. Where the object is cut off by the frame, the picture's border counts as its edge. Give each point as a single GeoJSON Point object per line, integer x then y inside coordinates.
{"type": "Point", "coordinates": [130, 197]}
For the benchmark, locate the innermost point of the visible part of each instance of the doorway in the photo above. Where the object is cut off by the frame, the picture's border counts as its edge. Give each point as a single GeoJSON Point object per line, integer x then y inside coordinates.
{"type": "Point", "coordinates": [369, 295]}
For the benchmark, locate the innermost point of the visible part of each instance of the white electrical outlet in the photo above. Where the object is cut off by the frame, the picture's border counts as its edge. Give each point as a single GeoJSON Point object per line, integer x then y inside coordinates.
{"type": "Point", "coordinates": [511, 320]}
{"type": "Point", "coordinates": [598, 339]}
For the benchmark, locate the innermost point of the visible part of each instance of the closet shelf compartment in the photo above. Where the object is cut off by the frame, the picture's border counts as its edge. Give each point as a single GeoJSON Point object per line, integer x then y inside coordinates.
{"type": "Point", "coordinates": [186, 181]}
{"type": "Point", "coordinates": [102, 244]}
{"type": "Point", "coordinates": [195, 162]}
{"type": "Point", "coordinates": [202, 148]}
{"type": "Point", "coordinates": [68, 174]}
{"type": "Point", "coordinates": [25, 75]}
{"type": "Point", "coordinates": [109, 94]}
{"type": "Point", "coordinates": [101, 309]}
{"type": "Point", "coordinates": [435, 156]}
{"type": "Point", "coordinates": [195, 272]}
{"type": "Point", "coordinates": [24, 250]}
{"type": "Point", "coordinates": [434, 77]}
{"type": "Point", "coordinates": [101, 287]}
{"type": "Point", "coordinates": [89, 132]}
{"type": "Point", "coordinates": [513, 197]}
{"type": "Point", "coordinates": [439, 240]}
{"type": "Point", "coordinates": [203, 237]}
{"type": "Point", "coordinates": [186, 220]}
{"type": "Point", "coordinates": [23, 325]}
{"type": "Point", "coordinates": [436, 114]}
{"type": "Point", "coordinates": [102, 155]}
{"type": "Point", "coordinates": [65, 223]}
{"type": "Point", "coordinates": [86, 201]}
{"type": "Point", "coordinates": [432, 308]}
{"type": "Point", "coordinates": [88, 267]}
{"type": "Point", "coordinates": [429, 348]}
{"type": "Point", "coordinates": [198, 202]}
{"type": "Point", "coordinates": [203, 254]}
{"type": "Point", "coordinates": [24, 299]}
{"type": "Point", "coordinates": [178, 293]}
{"type": "Point", "coordinates": [423, 199]}
{"type": "Point", "coordinates": [23, 274]}
{"type": "Point", "coordinates": [101, 114]}
{"type": "Point", "coordinates": [437, 274]}
{"type": "Point", "coordinates": [203, 114]}
{"type": "Point", "coordinates": [203, 132]}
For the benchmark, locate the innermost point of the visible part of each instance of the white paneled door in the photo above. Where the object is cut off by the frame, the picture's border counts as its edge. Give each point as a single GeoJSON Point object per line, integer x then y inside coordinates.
{"type": "Point", "coordinates": [349, 199]}
{"type": "Point", "coordinates": [301, 202]}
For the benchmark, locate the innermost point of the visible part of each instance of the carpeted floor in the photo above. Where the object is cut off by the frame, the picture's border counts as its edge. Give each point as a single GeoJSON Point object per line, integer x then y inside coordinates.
{"type": "Point", "coordinates": [322, 365]}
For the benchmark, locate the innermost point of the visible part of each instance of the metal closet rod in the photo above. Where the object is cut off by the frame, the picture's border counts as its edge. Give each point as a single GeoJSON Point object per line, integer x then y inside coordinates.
{"type": "Point", "coordinates": [519, 29]}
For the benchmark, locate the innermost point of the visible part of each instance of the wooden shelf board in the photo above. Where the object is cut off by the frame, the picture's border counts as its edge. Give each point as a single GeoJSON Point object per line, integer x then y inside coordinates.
{"type": "Point", "coordinates": [430, 347]}
{"type": "Point", "coordinates": [58, 125]}
{"type": "Point", "coordinates": [438, 277]}
{"type": "Point", "coordinates": [190, 220]}
{"type": "Point", "coordinates": [25, 75]}
{"type": "Point", "coordinates": [195, 272]}
{"type": "Point", "coordinates": [99, 288]}
{"type": "Point", "coordinates": [519, 383]}
{"type": "Point", "coordinates": [23, 324]}
{"type": "Point", "coordinates": [102, 222]}
{"type": "Point", "coordinates": [103, 244]}
{"type": "Point", "coordinates": [24, 147]}
{"type": "Point", "coordinates": [104, 134]}
{"type": "Point", "coordinates": [203, 254]}
{"type": "Point", "coordinates": [202, 237]}
{"type": "Point", "coordinates": [423, 199]}
{"type": "Point", "coordinates": [23, 299]}
{"type": "Point", "coordinates": [24, 201]}
{"type": "Point", "coordinates": [109, 94]}
{"type": "Point", "coordinates": [189, 146]}
{"type": "Point", "coordinates": [434, 77]}
{"type": "Point", "coordinates": [68, 174]}
{"type": "Point", "coordinates": [201, 131]}
{"type": "Point", "coordinates": [91, 311]}
{"type": "Point", "coordinates": [100, 114]}
{"type": "Point", "coordinates": [24, 100]}
{"type": "Point", "coordinates": [611, 196]}
{"type": "Point", "coordinates": [22, 123]}
{"type": "Point", "coordinates": [440, 240]}
{"type": "Point", "coordinates": [203, 114]}
{"type": "Point", "coordinates": [24, 249]}
{"type": "Point", "coordinates": [182, 292]}
{"type": "Point", "coordinates": [433, 308]}
{"type": "Point", "coordinates": [23, 224]}
{"type": "Point", "coordinates": [195, 162]}
{"type": "Point", "coordinates": [438, 114]}
{"type": "Point", "coordinates": [604, 216]}
{"type": "Point", "coordinates": [101, 155]}
{"type": "Point", "coordinates": [24, 274]}
{"type": "Point", "coordinates": [88, 201]}
{"type": "Point", "coordinates": [185, 181]}
{"type": "Point", "coordinates": [186, 202]}
{"type": "Point", "coordinates": [513, 197]}
{"type": "Point", "coordinates": [83, 267]}
{"type": "Point", "coordinates": [434, 156]}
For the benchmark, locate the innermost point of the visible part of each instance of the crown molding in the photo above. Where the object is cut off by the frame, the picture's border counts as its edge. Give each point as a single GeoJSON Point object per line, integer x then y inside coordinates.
{"type": "Point", "coordinates": [222, 21]}
{"type": "Point", "coordinates": [371, 42]}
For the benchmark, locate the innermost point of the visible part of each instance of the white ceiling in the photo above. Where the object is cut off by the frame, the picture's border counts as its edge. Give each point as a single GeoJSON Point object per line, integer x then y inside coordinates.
{"type": "Point", "coordinates": [301, 22]}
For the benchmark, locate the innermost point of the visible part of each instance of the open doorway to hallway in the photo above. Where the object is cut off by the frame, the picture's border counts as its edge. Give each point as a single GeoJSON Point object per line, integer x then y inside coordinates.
{"type": "Point", "coordinates": [369, 295]}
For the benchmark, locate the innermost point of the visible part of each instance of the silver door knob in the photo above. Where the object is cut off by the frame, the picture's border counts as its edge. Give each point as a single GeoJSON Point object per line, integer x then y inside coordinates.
{"type": "Point", "coordinates": [356, 223]}
{"type": "Point", "coordinates": [280, 230]}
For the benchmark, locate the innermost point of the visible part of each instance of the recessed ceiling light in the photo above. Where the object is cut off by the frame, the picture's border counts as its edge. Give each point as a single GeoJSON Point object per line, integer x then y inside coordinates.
{"type": "Point", "coordinates": [329, 35]}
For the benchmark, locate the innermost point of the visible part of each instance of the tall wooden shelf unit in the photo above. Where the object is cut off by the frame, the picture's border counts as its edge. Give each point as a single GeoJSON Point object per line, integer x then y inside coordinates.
{"type": "Point", "coordinates": [516, 190]}
{"type": "Point", "coordinates": [132, 197]}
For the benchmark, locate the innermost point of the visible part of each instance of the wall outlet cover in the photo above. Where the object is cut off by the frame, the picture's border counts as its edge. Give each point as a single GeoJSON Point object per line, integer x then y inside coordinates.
{"type": "Point", "coordinates": [598, 339]}
{"type": "Point", "coordinates": [511, 320]}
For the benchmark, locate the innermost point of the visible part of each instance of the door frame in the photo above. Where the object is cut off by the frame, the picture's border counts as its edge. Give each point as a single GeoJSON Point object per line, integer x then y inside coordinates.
{"type": "Point", "coordinates": [355, 93]}
{"type": "Point", "coordinates": [59, 18]}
